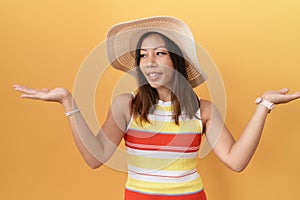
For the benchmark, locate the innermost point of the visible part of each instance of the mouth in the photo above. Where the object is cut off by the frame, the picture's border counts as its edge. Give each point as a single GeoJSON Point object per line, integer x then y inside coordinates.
{"type": "Point", "coordinates": [153, 75]}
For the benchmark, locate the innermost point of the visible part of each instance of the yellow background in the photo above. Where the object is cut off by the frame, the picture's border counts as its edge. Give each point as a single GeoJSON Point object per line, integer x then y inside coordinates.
{"type": "Point", "coordinates": [255, 44]}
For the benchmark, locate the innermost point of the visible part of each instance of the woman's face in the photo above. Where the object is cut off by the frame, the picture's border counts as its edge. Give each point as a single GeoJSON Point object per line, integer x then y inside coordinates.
{"type": "Point", "coordinates": [155, 61]}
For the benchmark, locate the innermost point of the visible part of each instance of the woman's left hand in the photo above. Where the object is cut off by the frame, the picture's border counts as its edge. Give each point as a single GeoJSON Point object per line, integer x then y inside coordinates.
{"type": "Point", "coordinates": [281, 96]}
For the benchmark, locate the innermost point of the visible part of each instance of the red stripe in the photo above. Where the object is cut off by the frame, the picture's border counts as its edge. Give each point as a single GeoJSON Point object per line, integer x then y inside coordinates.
{"type": "Point", "coordinates": [149, 148]}
{"type": "Point", "coordinates": [131, 195]}
{"type": "Point", "coordinates": [180, 140]}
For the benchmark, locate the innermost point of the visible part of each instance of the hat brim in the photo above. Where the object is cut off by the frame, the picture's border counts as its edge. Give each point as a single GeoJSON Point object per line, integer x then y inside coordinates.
{"type": "Point", "coordinates": [122, 40]}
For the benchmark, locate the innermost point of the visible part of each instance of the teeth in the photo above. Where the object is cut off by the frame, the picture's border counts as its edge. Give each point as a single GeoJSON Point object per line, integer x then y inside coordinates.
{"type": "Point", "coordinates": [153, 74]}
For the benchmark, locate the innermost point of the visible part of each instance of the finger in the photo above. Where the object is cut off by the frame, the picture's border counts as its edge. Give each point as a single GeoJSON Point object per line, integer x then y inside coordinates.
{"type": "Point", "coordinates": [16, 85]}
{"type": "Point", "coordinates": [30, 96]}
{"type": "Point", "coordinates": [25, 89]}
{"type": "Point", "coordinates": [45, 90]}
{"type": "Point", "coordinates": [291, 97]}
{"type": "Point", "coordinates": [284, 91]}
{"type": "Point", "coordinates": [297, 95]}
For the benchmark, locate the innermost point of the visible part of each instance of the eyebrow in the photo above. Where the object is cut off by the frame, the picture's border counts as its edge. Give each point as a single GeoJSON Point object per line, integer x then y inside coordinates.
{"type": "Point", "coordinates": [154, 48]}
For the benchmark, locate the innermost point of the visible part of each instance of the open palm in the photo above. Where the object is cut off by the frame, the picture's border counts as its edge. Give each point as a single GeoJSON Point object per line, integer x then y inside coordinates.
{"type": "Point", "coordinates": [281, 96]}
{"type": "Point", "coordinates": [54, 95]}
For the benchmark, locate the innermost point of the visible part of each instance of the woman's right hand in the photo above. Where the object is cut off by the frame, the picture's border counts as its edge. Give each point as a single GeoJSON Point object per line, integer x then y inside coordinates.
{"type": "Point", "coordinates": [55, 95]}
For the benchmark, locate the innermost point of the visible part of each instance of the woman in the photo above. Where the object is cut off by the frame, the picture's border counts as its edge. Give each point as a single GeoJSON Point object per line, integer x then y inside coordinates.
{"type": "Point", "coordinates": [163, 121]}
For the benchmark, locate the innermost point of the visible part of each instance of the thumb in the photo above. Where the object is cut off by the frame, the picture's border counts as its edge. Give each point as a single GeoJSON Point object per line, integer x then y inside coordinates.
{"type": "Point", "coordinates": [283, 91]}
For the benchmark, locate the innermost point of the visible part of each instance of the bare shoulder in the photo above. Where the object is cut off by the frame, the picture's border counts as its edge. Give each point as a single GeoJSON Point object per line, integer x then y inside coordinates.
{"type": "Point", "coordinates": [120, 107]}
{"type": "Point", "coordinates": [207, 109]}
{"type": "Point", "coordinates": [122, 102]}
{"type": "Point", "coordinates": [123, 98]}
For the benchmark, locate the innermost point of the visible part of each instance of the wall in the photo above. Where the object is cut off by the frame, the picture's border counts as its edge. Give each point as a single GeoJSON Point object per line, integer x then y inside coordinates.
{"type": "Point", "coordinates": [255, 45]}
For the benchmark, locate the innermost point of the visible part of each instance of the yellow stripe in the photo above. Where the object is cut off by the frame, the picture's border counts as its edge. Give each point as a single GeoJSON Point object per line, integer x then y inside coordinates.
{"type": "Point", "coordinates": [188, 126]}
{"type": "Point", "coordinates": [165, 188]}
{"type": "Point", "coordinates": [163, 108]}
{"type": "Point", "coordinates": [164, 164]}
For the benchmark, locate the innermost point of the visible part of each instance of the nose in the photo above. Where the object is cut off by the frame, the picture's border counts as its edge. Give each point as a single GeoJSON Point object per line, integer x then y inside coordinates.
{"type": "Point", "coordinates": [151, 62]}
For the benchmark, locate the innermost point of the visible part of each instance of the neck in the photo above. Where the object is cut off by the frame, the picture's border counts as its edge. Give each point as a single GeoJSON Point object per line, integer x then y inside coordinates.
{"type": "Point", "coordinates": [164, 94]}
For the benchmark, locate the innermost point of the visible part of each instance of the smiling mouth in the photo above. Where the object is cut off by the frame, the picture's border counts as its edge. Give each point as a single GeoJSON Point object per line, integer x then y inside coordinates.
{"type": "Point", "coordinates": [154, 74]}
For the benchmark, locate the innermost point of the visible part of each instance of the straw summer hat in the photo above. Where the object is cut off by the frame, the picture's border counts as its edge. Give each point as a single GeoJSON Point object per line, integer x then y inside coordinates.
{"type": "Point", "coordinates": [122, 39]}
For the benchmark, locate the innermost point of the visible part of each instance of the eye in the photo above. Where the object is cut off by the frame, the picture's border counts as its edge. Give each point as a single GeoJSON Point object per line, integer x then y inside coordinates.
{"type": "Point", "coordinates": [160, 53]}
{"type": "Point", "coordinates": [142, 55]}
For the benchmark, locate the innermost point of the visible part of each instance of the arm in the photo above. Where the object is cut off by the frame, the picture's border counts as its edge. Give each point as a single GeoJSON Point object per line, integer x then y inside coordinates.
{"type": "Point", "coordinates": [95, 150]}
{"type": "Point", "coordinates": [237, 154]}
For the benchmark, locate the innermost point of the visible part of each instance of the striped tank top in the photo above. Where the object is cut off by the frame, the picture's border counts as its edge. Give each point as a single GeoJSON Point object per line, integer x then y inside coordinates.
{"type": "Point", "coordinates": [162, 157]}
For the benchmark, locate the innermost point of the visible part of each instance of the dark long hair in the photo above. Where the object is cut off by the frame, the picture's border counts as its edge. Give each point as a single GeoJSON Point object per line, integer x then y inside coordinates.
{"type": "Point", "coordinates": [183, 98]}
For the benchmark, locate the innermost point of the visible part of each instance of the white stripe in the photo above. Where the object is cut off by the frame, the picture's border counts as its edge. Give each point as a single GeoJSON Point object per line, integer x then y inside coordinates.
{"type": "Point", "coordinates": [160, 118]}
{"type": "Point", "coordinates": [160, 172]}
{"type": "Point", "coordinates": [198, 114]}
{"type": "Point", "coordinates": [160, 154]}
{"type": "Point", "coordinates": [164, 103]}
{"type": "Point", "coordinates": [164, 116]}
{"type": "Point", "coordinates": [162, 112]}
{"type": "Point", "coordinates": [159, 179]}
{"type": "Point", "coordinates": [129, 124]}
